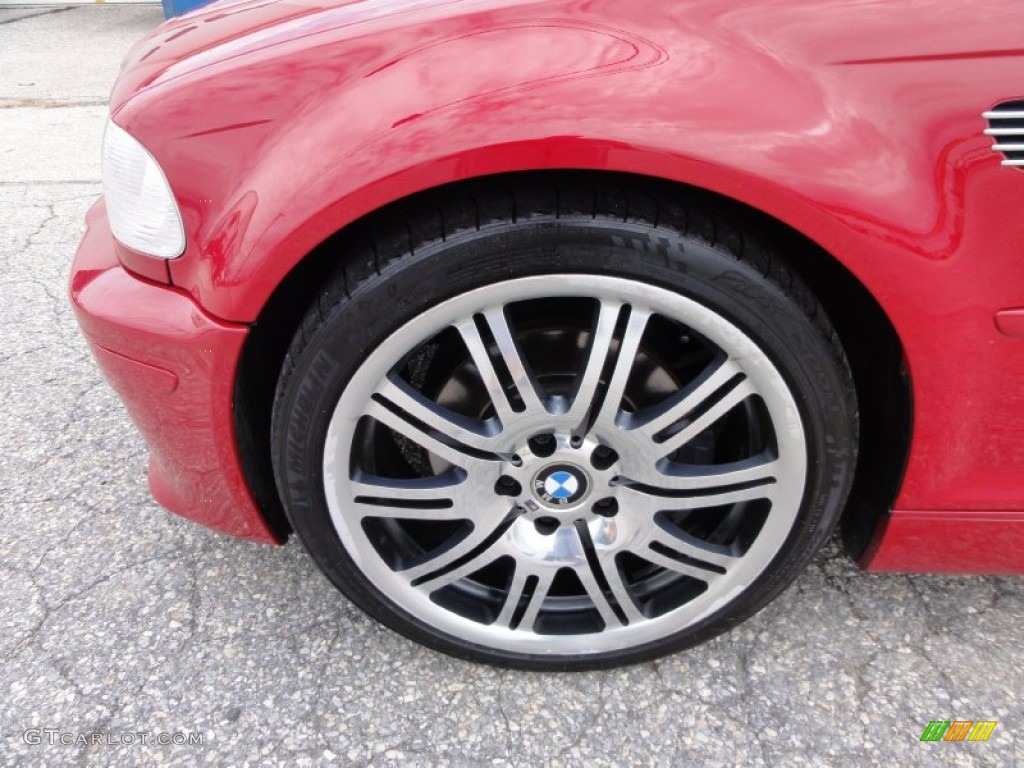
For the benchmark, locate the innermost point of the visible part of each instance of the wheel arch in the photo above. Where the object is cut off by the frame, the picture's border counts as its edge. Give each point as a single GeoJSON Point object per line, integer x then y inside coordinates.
{"type": "Point", "coordinates": [869, 338]}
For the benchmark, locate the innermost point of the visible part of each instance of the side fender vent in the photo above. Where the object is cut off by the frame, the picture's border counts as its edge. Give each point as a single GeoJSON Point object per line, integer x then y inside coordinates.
{"type": "Point", "coordinates": [1006, 127]}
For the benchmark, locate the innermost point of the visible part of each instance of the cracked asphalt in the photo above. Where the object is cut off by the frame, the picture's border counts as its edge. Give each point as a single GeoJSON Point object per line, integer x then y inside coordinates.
{"type": "Point", "coordinates": [117, 618]}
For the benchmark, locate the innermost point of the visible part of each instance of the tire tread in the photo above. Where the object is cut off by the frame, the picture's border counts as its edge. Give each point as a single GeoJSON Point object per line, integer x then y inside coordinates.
{"type": "Point", "coordinates": [498, 204]}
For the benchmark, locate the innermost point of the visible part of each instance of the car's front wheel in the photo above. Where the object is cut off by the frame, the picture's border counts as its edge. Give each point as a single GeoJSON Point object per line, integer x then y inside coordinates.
{"type": "Point", "coordinates": [563, 438]}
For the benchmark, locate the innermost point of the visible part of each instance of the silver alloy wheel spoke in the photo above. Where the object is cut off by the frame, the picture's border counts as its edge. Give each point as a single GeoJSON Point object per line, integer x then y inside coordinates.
{"type": "Point", "coordinates": [730, 400]}
{"type": "Point", "coordinates": [689, 398]}
{"type": "Point", "coordinates": [618, 588]}
{"type": "Point", "coordinates": [676, 566]}
{"type": "Point", "coordinates": [512, 356]}
{"type": "Point", "coordinates": [457, 427]}
{"type": "Point", "coordinates": [652, 504]}
{"type": "Point", "coordinates": [421, 437]}
{"type": "Point", "coordinates": [428, 514]}
{"type": "Point", "coordinates": [694, 548]}
{"type": "Point", "coordinates": [545, 578]}
{"type": "Point", "coordinates": [600, 346]}
{"type": "Point", "coordinates": [651, 501]}
{"type": "Point", "coordinates": [408, 499]}
{"type": "Point", "coordinates": [598, 598]}
{"type": "Point", "coordinates": [435, 581]}
{"type": "Point", "coordinates": [437, 567]}
{"type": "Point", "coordinates": [485, 369]}
{"type": "Point", "coordinates": [513, 596]}
{"type": "Point", "coordinates": [421, 490]}
{"type": "Point", "coordinates": [602, 564]}
{"type": "Point", "coordinates": [610, 406]}
{"type": "Point", "coordinates": [757, 470]}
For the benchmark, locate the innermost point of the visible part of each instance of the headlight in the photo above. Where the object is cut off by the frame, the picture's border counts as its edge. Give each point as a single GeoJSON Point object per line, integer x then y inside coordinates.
{"type": "Point", "coordinates": [143, 212]}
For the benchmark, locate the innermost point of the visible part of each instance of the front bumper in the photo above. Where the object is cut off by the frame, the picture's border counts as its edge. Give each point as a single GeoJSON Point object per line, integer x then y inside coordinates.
{"type": "Point", "coordinates": [173, 365]}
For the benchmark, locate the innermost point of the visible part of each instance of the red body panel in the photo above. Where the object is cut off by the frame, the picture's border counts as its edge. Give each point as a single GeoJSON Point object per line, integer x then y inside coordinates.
{"type": "Point", "coordinates": [951, 542]}
{"type": "Point", "coordinates": [173, 366]}
{"type": "Point", "coordinates": [858, 124]}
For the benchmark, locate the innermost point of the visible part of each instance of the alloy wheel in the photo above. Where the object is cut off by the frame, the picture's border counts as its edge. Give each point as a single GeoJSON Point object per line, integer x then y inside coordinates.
{"type": "Point", "coordinates": [564, 464]}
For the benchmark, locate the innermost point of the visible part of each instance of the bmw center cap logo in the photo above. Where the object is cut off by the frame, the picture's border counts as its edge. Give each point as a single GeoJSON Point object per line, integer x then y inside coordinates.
{"type": "Point", "coordinates": [561, 485]}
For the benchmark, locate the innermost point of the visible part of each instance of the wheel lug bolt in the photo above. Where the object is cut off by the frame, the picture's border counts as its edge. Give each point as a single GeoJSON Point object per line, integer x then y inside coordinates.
{"type": "Point", "coordinates": [603, 457]}
{"type": "Point", "coordinates": [546, 525]}
{"type": "Point", "coordinates": [507, 486]}
{"type": "Point", "coordinates": [606, 507]}
{"type": "Point", "coordinates": [542, 445]}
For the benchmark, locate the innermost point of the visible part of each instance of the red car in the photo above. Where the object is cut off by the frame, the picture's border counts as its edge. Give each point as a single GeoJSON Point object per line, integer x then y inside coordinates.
{"type": "Point", "coordinates": [563, 333]}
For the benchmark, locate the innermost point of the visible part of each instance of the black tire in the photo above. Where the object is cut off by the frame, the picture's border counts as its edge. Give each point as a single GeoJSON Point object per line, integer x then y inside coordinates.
{"type": "Point", "coordinates": [500, 231]}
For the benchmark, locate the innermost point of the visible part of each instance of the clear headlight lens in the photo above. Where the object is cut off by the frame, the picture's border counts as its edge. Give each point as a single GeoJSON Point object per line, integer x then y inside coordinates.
{"type": "Point", "coordinates": [140, 205]}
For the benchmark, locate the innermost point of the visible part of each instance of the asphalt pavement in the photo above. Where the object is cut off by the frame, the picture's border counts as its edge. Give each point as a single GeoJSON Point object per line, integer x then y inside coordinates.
{"type": "Point", "coordinates": [116, 618]}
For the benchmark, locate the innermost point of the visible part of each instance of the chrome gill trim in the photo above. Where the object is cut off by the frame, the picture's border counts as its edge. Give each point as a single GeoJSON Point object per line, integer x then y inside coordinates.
{"type": "Point", "coordinates": [1008, 114]}
{"type": "Point", "coordinates": [1008, 136]}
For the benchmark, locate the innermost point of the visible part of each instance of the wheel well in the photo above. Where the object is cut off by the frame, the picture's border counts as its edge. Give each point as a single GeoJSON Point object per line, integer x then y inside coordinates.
{"type": "Point", "coordinates": [869, 339]}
